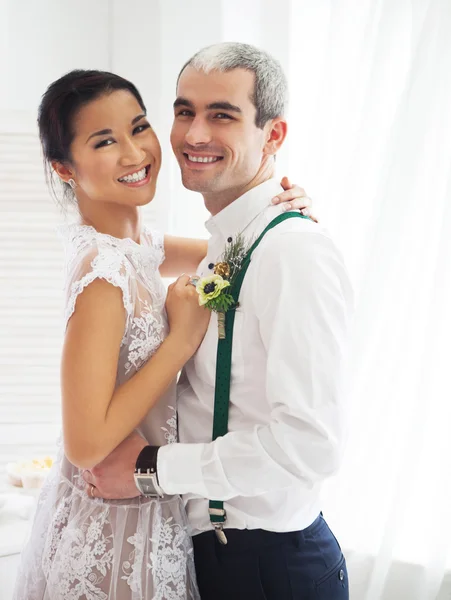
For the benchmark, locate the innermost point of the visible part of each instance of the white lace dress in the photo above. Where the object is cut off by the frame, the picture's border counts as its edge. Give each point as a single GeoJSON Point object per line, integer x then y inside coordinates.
{"type": "Point", "coordinates": [91, 549]}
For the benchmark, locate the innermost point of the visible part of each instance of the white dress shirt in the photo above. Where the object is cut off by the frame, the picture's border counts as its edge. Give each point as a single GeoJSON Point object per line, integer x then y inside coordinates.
{"type": "Point", "coordinates": [286, 424]}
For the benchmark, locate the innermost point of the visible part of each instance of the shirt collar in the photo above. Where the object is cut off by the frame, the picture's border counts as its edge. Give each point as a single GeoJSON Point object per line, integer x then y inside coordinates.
{"type": "Point", "coordinates": [236, 217]}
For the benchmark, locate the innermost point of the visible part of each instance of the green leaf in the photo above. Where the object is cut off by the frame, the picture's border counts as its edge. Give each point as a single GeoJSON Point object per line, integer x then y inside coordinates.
{"type": "Point", "coordinates": [234, 255]}
{"type": "Point", "coordinates": [221, 303]}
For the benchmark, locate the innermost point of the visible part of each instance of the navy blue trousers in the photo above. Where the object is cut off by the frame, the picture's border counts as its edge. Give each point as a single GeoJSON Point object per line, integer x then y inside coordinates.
{"type": "Point", "coordinates": [262, 565]}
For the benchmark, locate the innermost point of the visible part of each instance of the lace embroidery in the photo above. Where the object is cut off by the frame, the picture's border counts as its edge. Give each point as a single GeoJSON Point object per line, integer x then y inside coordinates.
{"type": "Point", "coordinates": [82, 567]}
{"type": "Point", "coordinates": [168, 559]}
{"type": "Point", "coordinates": [109, 266]}
{"type": "Point", "coordinates": [53, 539]}
{"type": "Point", "coordinates": [171, 431]}
{"type": "Point", "coordinates": [118, 261]}
{"type": "Point", "coordinates": [167, 562]}
{"type": "Point", "coordinates": [77, 238]}
{"type": "Point", "coordinates": [147, 334]}
{"type": "Point", "coordinates": [131, 567]}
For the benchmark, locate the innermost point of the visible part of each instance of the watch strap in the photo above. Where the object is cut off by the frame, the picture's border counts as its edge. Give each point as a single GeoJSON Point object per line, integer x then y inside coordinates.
{"type": "Point", "coordinates": [147, 460]}
{"type": "Point", "coordinates": [146, 477]}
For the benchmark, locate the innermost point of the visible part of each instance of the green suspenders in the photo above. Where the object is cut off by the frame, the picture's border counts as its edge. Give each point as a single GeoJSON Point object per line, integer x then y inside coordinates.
{"type": "Point", "coordinates": [223, 367]}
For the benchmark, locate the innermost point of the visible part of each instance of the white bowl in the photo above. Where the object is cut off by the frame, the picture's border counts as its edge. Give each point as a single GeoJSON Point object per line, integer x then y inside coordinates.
{"type": "Point", "coordinates": [28, 474]}
{"type": "Point", "coordinates": [14, 476]}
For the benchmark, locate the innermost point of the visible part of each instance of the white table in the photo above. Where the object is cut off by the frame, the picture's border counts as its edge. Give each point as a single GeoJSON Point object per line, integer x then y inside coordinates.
{"type": "Point", "coordinates": [13, 533]}
{"type": "Point", "coordinates": [12, 538]}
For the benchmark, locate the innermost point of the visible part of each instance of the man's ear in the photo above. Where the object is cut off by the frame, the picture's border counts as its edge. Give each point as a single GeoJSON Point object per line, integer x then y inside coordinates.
{"type": "Point", "coordinates": [275, 136]}
{"type": "Point", "coordinates": [63, 171]}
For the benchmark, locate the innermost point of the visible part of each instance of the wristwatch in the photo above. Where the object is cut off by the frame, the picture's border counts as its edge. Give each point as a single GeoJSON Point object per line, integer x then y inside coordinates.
{"type": "Point", "coordinates": [146, 478]}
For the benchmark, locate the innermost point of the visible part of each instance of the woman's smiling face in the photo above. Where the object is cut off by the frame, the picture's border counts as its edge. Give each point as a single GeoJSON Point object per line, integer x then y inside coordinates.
{"type": "Point", "coordinates": [115, 154]}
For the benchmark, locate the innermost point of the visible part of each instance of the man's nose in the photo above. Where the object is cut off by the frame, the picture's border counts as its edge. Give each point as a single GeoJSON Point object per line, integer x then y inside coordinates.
{"type": "Point", "coordinates": [198, 133]}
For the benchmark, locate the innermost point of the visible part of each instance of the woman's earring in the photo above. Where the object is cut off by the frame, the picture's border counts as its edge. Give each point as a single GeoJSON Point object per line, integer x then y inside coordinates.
{"type": "Point", "coordinates": [72, 183]}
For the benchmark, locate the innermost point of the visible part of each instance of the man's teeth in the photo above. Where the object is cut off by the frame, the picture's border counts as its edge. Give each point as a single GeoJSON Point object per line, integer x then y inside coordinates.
{"type": "Point", "coordinates": [138, 176]}
{"type": "Point", "coordinates": [203, 159]}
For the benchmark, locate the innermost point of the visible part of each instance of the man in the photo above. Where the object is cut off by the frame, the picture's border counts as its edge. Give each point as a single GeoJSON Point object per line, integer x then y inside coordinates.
{"type": "Point", "coordinates": [285, 422]}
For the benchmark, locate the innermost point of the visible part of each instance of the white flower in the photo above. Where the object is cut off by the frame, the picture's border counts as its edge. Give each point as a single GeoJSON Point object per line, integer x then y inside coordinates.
{"type": "Point", "coordinates": [210, 287]}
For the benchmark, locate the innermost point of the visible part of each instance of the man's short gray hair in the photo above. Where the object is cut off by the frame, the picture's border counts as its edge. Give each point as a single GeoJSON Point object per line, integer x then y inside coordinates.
{"type": "Point", "coordinates": [270, 94]}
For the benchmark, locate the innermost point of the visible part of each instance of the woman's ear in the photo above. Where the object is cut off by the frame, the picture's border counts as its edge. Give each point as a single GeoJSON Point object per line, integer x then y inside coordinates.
{"type": "Point", "coordinates": [63, 171]}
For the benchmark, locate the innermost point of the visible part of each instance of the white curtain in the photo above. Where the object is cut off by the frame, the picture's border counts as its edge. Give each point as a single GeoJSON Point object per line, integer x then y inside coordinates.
{"type": "Point", "coordinates": [371, 141]}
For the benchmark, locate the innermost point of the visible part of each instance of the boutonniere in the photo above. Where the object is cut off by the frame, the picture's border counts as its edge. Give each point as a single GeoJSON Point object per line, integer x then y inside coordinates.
{"type": "Point", "coordinates": [215, 290]}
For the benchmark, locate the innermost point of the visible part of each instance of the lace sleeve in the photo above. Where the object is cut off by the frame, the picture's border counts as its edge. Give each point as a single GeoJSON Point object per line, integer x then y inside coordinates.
{"type": "Point", "coordinates": [107, 264]}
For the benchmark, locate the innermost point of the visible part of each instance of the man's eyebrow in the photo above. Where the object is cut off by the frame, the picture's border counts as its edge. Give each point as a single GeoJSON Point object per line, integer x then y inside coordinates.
{"type": "Point", "coordinates": [180, 101]}
{"type": "Point", "coordinates": [224, 106]}
{"type": "Point", "coordinates": [110, 131]}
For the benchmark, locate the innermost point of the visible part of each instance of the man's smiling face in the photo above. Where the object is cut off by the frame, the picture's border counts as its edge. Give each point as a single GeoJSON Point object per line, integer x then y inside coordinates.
{"type": "Point", "coordinates": [214, 137]}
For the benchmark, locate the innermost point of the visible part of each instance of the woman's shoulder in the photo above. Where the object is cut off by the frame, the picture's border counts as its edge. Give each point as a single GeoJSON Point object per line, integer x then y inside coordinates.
{"type": "Point", "coordinates": [83, 245]}
{"type": "Point", "coordinates": [91, 255]}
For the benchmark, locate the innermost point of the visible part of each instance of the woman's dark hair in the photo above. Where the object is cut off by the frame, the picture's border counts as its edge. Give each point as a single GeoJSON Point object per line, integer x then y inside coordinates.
{"type": "Point", "coordinates": [61, 103]}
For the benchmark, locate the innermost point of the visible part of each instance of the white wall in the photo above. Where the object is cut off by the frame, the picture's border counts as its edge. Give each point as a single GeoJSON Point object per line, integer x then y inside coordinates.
{"type": "Point", "coordinates": [41, 40]}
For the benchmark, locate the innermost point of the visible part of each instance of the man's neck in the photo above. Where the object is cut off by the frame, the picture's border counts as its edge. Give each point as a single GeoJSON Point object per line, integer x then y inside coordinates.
{"type": "Point", "coordinates": [215, 203]}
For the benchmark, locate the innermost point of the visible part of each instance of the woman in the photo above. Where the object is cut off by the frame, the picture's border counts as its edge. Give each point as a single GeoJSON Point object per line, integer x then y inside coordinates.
{"type": "Point", "coordinates": [122, 352]}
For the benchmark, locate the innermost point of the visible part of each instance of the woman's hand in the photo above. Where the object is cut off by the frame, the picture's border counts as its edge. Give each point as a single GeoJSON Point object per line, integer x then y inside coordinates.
{"type": "Point", "coordinates": [294, 197]}
{"type": "Point", "coordinates": [187, 320]}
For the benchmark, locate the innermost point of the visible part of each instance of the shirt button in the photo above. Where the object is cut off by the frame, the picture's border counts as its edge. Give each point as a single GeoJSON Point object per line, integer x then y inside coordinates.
{"type": "Point", "coordinates": [229, 240]}
{"type": "Point", "coordinates": [210, 266]}
{"type": "Point", "coordinates": [341, 574]}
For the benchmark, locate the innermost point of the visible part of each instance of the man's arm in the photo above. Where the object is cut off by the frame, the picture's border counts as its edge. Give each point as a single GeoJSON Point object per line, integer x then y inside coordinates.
{"type": "Point", "coordinates": [302, 299]}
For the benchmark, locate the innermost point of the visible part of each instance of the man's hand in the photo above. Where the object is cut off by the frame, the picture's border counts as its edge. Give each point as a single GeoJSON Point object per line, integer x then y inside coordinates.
{"type": "Point", "coordinates": [113, 479]}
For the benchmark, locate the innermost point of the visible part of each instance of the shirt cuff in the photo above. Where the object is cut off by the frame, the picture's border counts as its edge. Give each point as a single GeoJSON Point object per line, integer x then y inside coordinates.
{"type": "Point", "coordinates": [179, 469]}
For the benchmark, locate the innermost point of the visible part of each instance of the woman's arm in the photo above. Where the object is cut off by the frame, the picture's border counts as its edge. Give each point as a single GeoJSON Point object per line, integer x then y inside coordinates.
{"type": "Point", "coordinates": [182, 255]}
{"type": "Point", "coordinates": [96, 416]}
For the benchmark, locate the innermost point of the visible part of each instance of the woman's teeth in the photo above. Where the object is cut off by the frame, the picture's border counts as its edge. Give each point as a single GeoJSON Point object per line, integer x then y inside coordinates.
{"type": "Point", "coordinates": [203, 159]}
{"type": "Point", "coordinates": [134, 177]}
